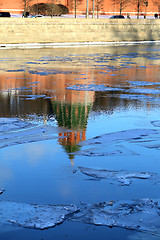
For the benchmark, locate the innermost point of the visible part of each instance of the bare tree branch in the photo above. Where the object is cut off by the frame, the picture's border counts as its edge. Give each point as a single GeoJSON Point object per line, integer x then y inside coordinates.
{"type": "Point", "coordinates": [157, 4]}
{"type": "Point", "coordinates": [121, 4]}
{"type": "Point", "coordinates": [1, 3]}
{"type": "Point", "coordinates": [96, 5]}
{"type": "Point", "coordinates": [73, 4]}
{"type": "Point", "coordinates": [140, 6]}
{"type": "Point", "coordinates": [25, 5]}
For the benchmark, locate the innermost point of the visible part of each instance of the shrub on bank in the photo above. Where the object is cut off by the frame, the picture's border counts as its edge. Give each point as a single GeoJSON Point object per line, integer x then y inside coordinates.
{"type": "Point", "coordinates": [48, 9]}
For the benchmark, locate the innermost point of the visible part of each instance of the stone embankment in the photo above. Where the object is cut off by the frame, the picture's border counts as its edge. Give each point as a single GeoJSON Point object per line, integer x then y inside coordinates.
{"type": "Point", "coordinates": [63, 30]}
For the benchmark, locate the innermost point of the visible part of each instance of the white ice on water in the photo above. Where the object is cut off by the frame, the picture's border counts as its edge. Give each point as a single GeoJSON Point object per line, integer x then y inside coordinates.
{"type": "Point", "coordinates": [118, 143]}
{"type": "Point", "coordinates": [34, 215]}
{"type": "Point", "coordinates": [141, 215]}
{"type": "Point", "coordinates": [122, 177]}
{"type": "Point", "coordinates": [126, 135]}
{"type": "Point", "coordinates": [137, 87]}
{"type": "Point", "coordinates": [12, 124]}
{"type": "Point", "coordinates": [93, 87]}
{"type": "Point", "coordinates": [14, 131]}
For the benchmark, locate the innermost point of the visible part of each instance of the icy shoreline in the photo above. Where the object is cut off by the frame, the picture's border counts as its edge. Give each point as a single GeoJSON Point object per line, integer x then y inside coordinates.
{"type": "Point", "coordinates": [74, 44]}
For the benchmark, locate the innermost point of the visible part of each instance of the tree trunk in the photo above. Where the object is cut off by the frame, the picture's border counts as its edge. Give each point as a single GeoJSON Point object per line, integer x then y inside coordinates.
{"type": "Point", "coordinates": [138, 10]}
{"type": "Point", "coordinates": [75, 8]}
{"type": "Point", "coordinates": [97, 11]}
{"type": "Point", "coordinates": [87, 9]}
{"type": "Point", "coordinates": [121, 7]}
{"type": "Point", "coordinates": [93, 9]}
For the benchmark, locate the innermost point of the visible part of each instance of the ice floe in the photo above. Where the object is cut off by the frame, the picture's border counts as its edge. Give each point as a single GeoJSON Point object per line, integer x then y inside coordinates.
{"type": "Point", "coordinates": [156, 123]}
{"type": "Point", "coordinates": [34, 215]}
{"type": "Point", "coordinates": [138, 90]}
{"type": "Point", "coordinates": [93, 87]}
{"type": "Point", "coordinates": [15, 131]}
{"type": "Point", "coordinates": [126, 135]}
{"type": "Point", "coordinates": [141, 215]}
{"type": "Point", "coordinates": [101, 150]}
{"type": "Point", "coordinates": [13, 124]}
{"type": "Point", "coordinates": [32, 97]}
{"type": "Point", "coordinates": [124, 178]}
{"type": "Point", "coordinates": [137, 97]}
{"type": "Point", "coordinates": [119, 143]}
{"type": "Point", "coordinates": [143, 83]}
{"type": "Point", "coordinates": [143, 91]}
{"type": "Point", "coordinates": [35, 134]}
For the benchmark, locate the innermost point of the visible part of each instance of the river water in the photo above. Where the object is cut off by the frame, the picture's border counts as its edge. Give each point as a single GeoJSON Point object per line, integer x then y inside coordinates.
{"type": "Point", "coordinates": [78, 94]}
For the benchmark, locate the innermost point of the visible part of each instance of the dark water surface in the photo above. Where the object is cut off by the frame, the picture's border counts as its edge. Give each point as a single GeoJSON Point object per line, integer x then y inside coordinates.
{"type": "Point", "coordinates": [81, 93]}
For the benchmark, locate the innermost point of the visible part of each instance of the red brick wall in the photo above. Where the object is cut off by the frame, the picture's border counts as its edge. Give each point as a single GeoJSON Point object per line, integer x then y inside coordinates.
{"type": "Point", "coordinates": [14, 6]}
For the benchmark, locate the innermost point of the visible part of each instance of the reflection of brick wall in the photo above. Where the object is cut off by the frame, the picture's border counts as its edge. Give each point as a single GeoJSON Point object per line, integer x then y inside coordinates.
{"type": "Point", "coordinates": [50, 85]}
{"type": "Point", "coordinates": [11, 80]}
{"type": "Point", "coordinates": [55, 85]}
{"type": "Point", "coordinates": [107, 6]}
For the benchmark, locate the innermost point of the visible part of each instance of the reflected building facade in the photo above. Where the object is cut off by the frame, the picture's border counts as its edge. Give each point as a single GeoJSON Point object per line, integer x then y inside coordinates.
{"type": "Point", "coordinates": [28, 93]}
{"type": "Point", "coordinates": [72, 116]}
{"type": "Point", "coordinates": [69, 108]}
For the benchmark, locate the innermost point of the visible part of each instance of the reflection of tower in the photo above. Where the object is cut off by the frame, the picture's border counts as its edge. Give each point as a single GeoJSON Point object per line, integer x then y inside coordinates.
{"type": "Point", "coordinates": [74, 118]}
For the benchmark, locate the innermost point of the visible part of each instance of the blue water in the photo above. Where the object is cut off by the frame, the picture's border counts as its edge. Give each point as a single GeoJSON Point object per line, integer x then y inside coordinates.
{"type": "Point", "coordinates": [45, 171]}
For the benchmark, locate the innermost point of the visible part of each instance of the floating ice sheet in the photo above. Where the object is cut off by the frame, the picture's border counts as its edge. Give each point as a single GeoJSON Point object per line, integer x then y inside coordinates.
{"type": "Point", "coordinates": [14, 131]}
{"type": "Point", "coordinates": [141, 215]}
{"type": "Point", "coordinates": [93, 87]}
{"type": "Point", "coordinates": [118, 143]}
{"type": "Point", "coordinates": [32, 97]}
{"type": "Point", "coordinates": [13, 124]}
{"type": "Point", "coordinates": [138, 97]}
{"type": "Point", "coordinates": [105, 150]}
{"type": "Point", "coordinates": [138, 91]}
{"type": "Point", "coordinates": [35, 134]}
{"type": "Point", "coordinates": [156, 123]}
{"type": "Point", "coordinates": [122, 177]}
{"type": "Point", "coordinates": [144, 91]}
{"type": "Point", "coordinates": [127, 135]}
{"type": "Point", "coordinates": [33, 215]}
{"type": "Point", "coordinates": [143, 83]}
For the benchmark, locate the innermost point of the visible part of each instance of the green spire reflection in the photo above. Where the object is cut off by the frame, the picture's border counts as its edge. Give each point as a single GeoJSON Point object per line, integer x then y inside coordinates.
{"type": "Point", "coordinates": [73, 117]}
